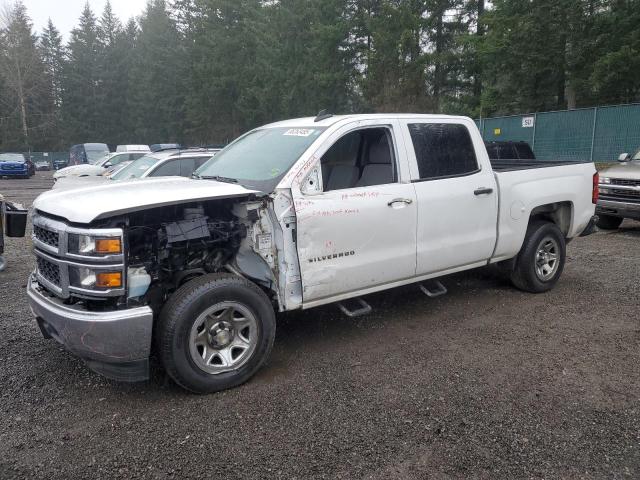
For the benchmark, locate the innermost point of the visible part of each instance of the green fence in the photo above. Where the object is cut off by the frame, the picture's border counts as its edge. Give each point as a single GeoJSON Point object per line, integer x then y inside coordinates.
{"type": "Point", "coordinates": [598, 134]}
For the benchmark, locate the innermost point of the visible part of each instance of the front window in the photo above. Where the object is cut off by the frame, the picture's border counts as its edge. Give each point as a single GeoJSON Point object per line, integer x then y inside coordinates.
{"type": "Point", "coordinates": [637, 155]}
{"type": "Point", "coordinates": [260, 158]}
{"type": "Point", "coordinates": [136, 169]}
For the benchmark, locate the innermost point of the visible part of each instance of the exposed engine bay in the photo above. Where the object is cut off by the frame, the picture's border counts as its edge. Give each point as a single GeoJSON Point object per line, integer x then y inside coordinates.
{"type": "Point", "coordinates": [171, 245]}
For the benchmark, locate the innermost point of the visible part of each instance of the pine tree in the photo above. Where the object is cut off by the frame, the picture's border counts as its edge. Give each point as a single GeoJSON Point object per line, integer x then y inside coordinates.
{"type": "Point", "coordinates": [24, 84]}
{"type": "Point", "coordinates": [159, 77]}
{"type": "Point", "coordinates": [81, 109]}
{"type": "Point", "coordinates": [113, 77]}
{"type": "Point", "coordinates": [53, 56]}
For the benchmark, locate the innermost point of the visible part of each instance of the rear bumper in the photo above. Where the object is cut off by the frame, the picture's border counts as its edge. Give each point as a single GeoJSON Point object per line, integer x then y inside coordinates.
{"type": "Point", "coordinates": [115, 344]}
{"type": "Point", "coordinates": [618, 209]}
{"type": "Point", "coordinates": [14, 173]}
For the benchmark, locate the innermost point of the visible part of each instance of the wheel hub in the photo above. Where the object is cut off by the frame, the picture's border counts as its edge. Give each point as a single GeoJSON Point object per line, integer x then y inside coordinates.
{"type": "Point", "coordinates": [221, 335]}
{"type": "Point", "coordinates": [547, 259]}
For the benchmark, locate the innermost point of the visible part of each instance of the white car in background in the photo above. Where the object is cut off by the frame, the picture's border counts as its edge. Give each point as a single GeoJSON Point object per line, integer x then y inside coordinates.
{"type": "Point", "coordinates": [133, 148]}
{"type": "Point", "coordinates": [168, 163]}
{"type": "Point", "coordinates": [101, 164]}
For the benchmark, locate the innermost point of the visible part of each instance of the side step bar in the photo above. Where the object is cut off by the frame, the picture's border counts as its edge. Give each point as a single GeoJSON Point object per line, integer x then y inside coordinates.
{"type": "Point", "coordinates": [363, 308]}
{"type": "Point", "coordinates": [433, 288]}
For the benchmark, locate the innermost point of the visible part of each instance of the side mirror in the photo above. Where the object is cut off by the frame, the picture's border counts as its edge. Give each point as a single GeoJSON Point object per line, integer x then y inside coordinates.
{"type": "Point", "coordinates": [624, 157]}
{"type": "Point", "coordinates": [108, 165]}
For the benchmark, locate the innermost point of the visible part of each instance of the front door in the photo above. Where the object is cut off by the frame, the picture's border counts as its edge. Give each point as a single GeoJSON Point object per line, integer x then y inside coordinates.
{"type": "Point", "coordinates": [359, 231]}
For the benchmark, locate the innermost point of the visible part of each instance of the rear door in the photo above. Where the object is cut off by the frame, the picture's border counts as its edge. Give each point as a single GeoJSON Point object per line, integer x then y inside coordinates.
{"type": "Point", "coordinates": [359, 231]}
{"type": "Point", "coordinates": [456, 193]}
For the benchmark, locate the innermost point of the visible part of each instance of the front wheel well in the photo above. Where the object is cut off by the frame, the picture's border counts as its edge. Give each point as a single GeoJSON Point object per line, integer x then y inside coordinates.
{"type": "Point", "coordinates": [559, 213]}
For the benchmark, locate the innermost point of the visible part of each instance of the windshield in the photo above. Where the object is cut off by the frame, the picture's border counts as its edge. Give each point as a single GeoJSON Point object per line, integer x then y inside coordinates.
{"type": "Point", "coordinates": [94, 156]}
{"type": "Point", "coordinates": [260, 158]}
{"type": "Point", "coordinates": [99, 160]}
{"type": "Point", "coordinates": [11, 157]}
{"type": "Point", "coordinates": [136, 169]}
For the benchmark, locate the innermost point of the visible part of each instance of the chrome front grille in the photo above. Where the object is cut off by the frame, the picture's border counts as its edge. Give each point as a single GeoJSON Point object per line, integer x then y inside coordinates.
{"type": "Point", "coordinates": [49, 270]}
{"type": "Point", "coordinates": [625, 182]}
{"type": "Point", "coordinates": [57, 267]}
{"type": "Point", "coordinates": [46, 236]}
{"type": "Point", "coordinates": [621, 190]}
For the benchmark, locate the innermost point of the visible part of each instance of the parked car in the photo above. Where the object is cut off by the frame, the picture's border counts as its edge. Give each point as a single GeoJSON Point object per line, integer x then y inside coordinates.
{"type": "Point", "coordinates": [43, 165]}
{"type": "Point", "coordinates": [133, 148]}
{"type": "Point", "coordinates": [14, 165]}
{"type": "Point", "coordinates": [159, 164]}
{"type": "Point", "coordinates": [509, 150]}
{"type": "Point", "coordinates": [59, 163]}
{"type": "Point", "coordinates": [156, 147]}
{"type": "Point", "coordinates": [87, 153]}
{"type": "Point", "coordinates": [97, 168]}
{"type": "Point", "coordinates": [166, 163]}
{"type": "Point", "coordinates": [619, 192]}
{"type": "Point", "coordinates": [292, 215]}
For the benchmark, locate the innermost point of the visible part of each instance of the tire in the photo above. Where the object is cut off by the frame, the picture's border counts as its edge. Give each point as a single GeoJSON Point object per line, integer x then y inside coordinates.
{"type": "Point", "coordinates": [607, 222]}
{"type": "Point", "coordinates": [206, 317]}
{"type": "Point", "coordinates": [531, 273]}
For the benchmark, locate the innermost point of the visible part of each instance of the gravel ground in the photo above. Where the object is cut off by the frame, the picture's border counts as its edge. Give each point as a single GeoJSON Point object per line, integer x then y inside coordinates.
{"type": "Point", "coordinates": [485, 382]}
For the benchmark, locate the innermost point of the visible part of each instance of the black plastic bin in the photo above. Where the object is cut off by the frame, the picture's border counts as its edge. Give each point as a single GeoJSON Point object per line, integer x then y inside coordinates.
{"type": "Point", "coordinates": [15, 220]}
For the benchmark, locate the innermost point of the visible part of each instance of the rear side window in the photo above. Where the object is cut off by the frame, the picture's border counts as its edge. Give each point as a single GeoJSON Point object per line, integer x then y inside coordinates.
{"type": "Point", "coordinates": [167, 169]}
{"type": "Point", "coordinates": [443, 150]}
{"type": "Point", "coordinates": [187, 166]}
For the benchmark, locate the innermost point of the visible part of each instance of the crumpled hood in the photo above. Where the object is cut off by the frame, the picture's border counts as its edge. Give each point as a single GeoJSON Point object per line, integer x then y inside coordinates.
{"type": "Point", "coordinates": [86, 204]}
{"type": "Point", "coordinates": [627, 171]}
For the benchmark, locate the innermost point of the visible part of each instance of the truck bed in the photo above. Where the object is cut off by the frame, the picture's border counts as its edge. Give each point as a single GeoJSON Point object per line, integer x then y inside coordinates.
{"type": "Point", "coordinates": [516, 164]}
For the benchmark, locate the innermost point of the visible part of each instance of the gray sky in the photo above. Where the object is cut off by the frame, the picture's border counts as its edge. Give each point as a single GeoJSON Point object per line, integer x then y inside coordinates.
{"type": "Point", "coordinates": [65, 13]}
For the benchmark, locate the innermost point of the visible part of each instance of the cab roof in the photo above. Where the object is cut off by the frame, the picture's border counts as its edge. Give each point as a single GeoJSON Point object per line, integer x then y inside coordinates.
{"type": "Point", "coordinates": [327, 122]}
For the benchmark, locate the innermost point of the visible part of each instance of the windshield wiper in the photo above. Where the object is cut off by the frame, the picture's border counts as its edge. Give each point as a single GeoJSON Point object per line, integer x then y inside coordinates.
{"type": "Point", "coordinates": [218, 178]}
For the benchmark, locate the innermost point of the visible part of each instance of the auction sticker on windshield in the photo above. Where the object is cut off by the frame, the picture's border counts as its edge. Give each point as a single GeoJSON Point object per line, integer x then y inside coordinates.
{"type": "Point", "coordinates": [299, 132]}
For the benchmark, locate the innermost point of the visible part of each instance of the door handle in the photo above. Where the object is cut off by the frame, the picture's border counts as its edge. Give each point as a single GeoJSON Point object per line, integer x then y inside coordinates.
{"type": "Point", "coordinates": [482, 191]}
{"type": "Point", "coordinates": [406, 201]}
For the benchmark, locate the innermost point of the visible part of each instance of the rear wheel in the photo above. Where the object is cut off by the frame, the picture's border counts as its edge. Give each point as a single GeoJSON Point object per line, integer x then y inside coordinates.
{"type": "Point", "coordinates": [607, 222]}
{"type": "Point", "coordinates": [541, 259]}
{"type": "Point", "coordinates": [215, 332]}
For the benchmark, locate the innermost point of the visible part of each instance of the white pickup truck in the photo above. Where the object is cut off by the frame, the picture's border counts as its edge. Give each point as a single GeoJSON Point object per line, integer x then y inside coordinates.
{"type": "Point", "coordinates": [291, 215]}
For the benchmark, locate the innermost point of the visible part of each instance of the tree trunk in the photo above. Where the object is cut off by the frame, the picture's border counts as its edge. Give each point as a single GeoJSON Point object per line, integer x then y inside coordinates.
{"type": "Point", "coordinates": [437, 73]}
{"type": "Point", "coordinates": [477, 80]}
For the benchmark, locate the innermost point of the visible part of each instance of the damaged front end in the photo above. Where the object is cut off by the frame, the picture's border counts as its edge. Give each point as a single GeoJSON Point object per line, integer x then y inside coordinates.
{"type": "Point", "coordinates": [98, 288]}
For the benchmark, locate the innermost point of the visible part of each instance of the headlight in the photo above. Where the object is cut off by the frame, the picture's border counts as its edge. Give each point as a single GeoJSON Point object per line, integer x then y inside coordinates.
{"type": "Point", "coordinates": [92, 245]}
{"type": "Point", "coordinates": [605, 180]}
{"type": "Point", "coordinates": [88, 279]}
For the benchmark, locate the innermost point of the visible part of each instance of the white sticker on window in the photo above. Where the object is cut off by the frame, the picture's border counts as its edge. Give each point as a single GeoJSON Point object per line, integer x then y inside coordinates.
{"type": "Point", "coordinates": [299, 132]}
{"type": "Point", "coordinates": [264, 241]}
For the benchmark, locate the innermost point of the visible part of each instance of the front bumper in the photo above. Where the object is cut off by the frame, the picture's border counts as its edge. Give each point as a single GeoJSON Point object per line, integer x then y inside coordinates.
{"type": "Point", "coordinates": [618, 209]}
{"type": "Point", "coordinates": [115, 343]}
